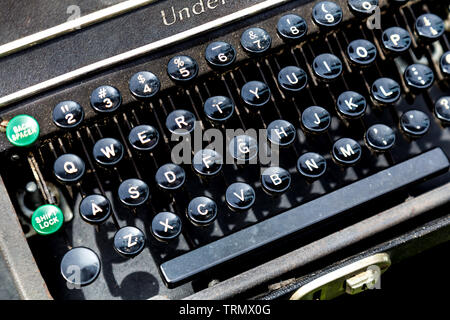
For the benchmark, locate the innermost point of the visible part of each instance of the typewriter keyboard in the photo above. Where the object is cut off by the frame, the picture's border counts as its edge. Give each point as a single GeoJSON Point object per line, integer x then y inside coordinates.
{"type": "Point", "coordinates": [318, 113]}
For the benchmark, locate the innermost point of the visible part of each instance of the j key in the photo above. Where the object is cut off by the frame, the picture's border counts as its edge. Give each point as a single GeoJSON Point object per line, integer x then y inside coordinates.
{"type": "Point", "coordinates": [362, 52]}
{"type": "Point", "coordinates": [419, 76]}
{"type": "Point", "coordinates": [180, 122]}
{"type": "Point", "coordinates": [219, 108]}
{"type": "Point", "coordinates": [429, 27]}
{"type": "Point", "coordinates": [414, 123]}
{"type": "Point", "coordinates": [327, 67]}
{"type": "Point", "coordinates": [363, 7]}
{"type": "Point", "coordinates": [379, 138]}
{"type": "Point", "coordinates": [243, 148]}
{"type": "Point", "coordinates": [445, 63]}
{"type": "Point", "coordinates": [292, 78]}
{"type": "Point", "coordinates": [207, 162]}
{"type": "Point", "coordinates": [80, 266]}
{"type": "Point", "coordinates": [256, 40]}
{"type": "Point", "coordinates": [281, 132]}
{"type": "Point", "coordinates": [144, 85]}
{"type": "Point", "coordinates": [166, 226]}
{"type": "Point", "coordinates": [385, 91]}
{"type": "Point", "coordinates": [106, 99]}
{"type": "Point", "coordinates": [95, 209]}
{"type": "Point", "coordinates": [316, 119]}
{"type": "Point", "coordinates": [220, 54]}
{"type": "Point", "coordinates": [170, 176]}
{"type": "Point", "coordinates": [68, 114]}
{"type": "Point", "coordinates": [346, 152]}
{"type": "Point", "coordinates": [133, 192]}
{"type": "Point", "coordinates": [69, 168]}
{"type": "Point", "coordinates": [143, 137]}
{"type": "Point", "coordinates": [202, 211]}
{"type": "Point", "coordinates": [240, 196]}
{"type": "Point", "coordinates": [255, 94]}
{"type": "Point", "coordinates": [129, 241]}
{"type": "Point", "coordinates": [311, 165]}
{"type": "Point", "coordinates": [442, 109]}
{"type": "Point", "coordinates": [396, 40]}
{"type": "Point", "coordinates": [275, 180]}
{"type": "Point", "coordinates": [280, 227]}
{"type": "Point", "coordinates": [351, 105]}
{"type": "Point", "coordinates": [292, 27]}
{"type": "Point", "coordinates": [327, 14]}
{"type": "Point", "coordinates": [182, 68]}
{"type": "Point", "coordinates": [108, 151]}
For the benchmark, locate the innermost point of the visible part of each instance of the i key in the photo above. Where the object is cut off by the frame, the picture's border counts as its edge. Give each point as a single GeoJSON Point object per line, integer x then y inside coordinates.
{"type": "Point", "coordinates": [68, 114]}
{"type": "Point", "coordinates": [108, 151]}
{"type": "Point", "coordinates": [69, 168]}
{"type": "Point", "coordinates": [129, 241]}
{"type": "Point", "coordinates": [327, 67]}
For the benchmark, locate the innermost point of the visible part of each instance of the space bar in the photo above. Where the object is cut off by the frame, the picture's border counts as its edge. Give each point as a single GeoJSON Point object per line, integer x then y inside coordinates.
{"type": "Point", "coordinates": [186, 266]}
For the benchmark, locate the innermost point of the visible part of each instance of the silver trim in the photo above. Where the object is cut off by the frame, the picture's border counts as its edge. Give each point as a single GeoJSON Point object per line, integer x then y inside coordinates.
{"type": "Point", "coordinates": [106, 63]}
{"type": "Point", "coordinates": [70, 26]}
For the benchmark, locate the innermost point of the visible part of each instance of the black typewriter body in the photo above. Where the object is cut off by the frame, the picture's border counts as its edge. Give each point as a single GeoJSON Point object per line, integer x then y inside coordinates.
{"type": "Point", "coordinates": [357, 174]}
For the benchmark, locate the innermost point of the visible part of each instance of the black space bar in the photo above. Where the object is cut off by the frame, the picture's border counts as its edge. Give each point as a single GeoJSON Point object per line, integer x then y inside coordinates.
{"type": "Point", "coordinates": [184, 267]}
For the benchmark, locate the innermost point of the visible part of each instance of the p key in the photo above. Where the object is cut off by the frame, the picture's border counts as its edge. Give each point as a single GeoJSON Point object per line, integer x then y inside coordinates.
{"type": "Point", "coordinates": [69, 168]}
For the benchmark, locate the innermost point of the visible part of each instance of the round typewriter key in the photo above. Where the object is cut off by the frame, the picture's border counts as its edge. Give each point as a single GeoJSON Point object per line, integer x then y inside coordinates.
{"type": "Point", "coordinates": [445, 63]}
{"type": "Point", "coordinates": [180, 122]}
{"type": "Point", "coordinates": [170, 176]}
{"type": "Point", "coordinates": [47, 219]}
{"type": "Point", "coordinates": [240, 196]}
{"type": "Point", "coordinates": [275, 180]}
{"type": "Point", "coordinates": [69, 168]}
{"type": "Point", "coordinates": [106, 99]}
{"type": "Point", "coordinates": [396, 40]}
{"type": "Point", "coordinates": [143, 137]}
{"type": "Point", "coordinates": [255, 93]}
{"type": "Point", "coordinates": [95, 209]}
{"type": "Point", "coordinates": [362, 52]}
{"type": "Point", "coordinates": [68, 114]}
{"type": "Point", "coordinates": [218, 108]}
{"type": "Point", "coordinates": [346, 152]}
{"type": "Point", "coordinates": [385, 91]}
{"type": "Point", "coordinates": [80, 266]}
{"type": "Point", "coordinates": [442, 109]}
{"type": "Point", "coordinates": [414, 123]}
{"type": "Point", "coordinates": [380, 138]}
{"type": "Point", "coordinates": [316, 119]}
{"type": "Point", "coordinates": [144, 85]}
{"type": "Point", "coordinates": [281, 132]}
{"type": "Point", "coordinates": [327, 14]}
{"type": "Point", "coordinates": [430, 27]}
{"type": "Point", "coordinates": [363, 7]}
{"type": "Point", "coordinates": [166, 226]}
{"type": "Point", "coordinates": [220, 54]}
{"type": "Point", "coordinates": [207, 162]}
{"type": "Point", "coordinates": [311, 165]}
{"type": "Point", "coordinates": [256, 40]}
{"type": "Point", "coordinates": [129, 241]}
{"type": "Point", "coordinates": [202, 211]}
{"type": "Point", "coordinates": [292, 27]}
{"type": "Point", "coordinates": [351, 105]}
{"type": "Point", "coordinates": [108, 151]}
{"type": "Point", "coordinates": [243, 148]}
{"type": "Point", "coordinates": [182, 68]}
{"type": "Point", "coordinates": [327, 67]}
{"type": "Point", "coordinates": [133, 192]}
{"type": "Point", "coordinates": [419, 76]}
{"type": "Point", "coordinates": [22, 130]}
{"type": "Point", "coordinates": [292, 78]}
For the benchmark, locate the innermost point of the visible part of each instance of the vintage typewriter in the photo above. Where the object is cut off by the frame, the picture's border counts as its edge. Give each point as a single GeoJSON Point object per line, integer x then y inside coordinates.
{"type": "Point", "coordinates": [215, 149]}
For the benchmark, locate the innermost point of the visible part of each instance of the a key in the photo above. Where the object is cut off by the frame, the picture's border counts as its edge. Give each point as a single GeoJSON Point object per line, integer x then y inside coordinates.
{"type": "Point", "coordinates": [243, 148]}
{"type": "Point", "coordinates": [95, 209]}
{"type": "Point", "coordinates": [429, 27]}
{"type": "Point", "coordinates": [363, 7]}
{"type": "Point", "coordinates": [445, 64]}
{"type": "Point", "coordinates": [419, 76]}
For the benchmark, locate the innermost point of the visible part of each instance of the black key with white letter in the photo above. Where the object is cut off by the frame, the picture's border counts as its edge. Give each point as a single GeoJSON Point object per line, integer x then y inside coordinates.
{"type": "Point", "coordinates": [327, 67]}
{"type": "Point", "coordinates": [180, 122]}
{"type": "Point", "coordinates": [207, 162]}
{"type": "Point", "coordinates": [182, 68]}
{"type": "Point", "coordinates": [202, 211]}
{"type": "Point", "coordinates": [292, 79]}
{"type": "Point", "coordinates": [170, 176]}
{"type": "Point", "coordinates": [240, 196]}
{"type": "Point", "coordinates": [445, 64]}
{"type": "Point", "coordinates": [218, 109]}
{"type": "Point", "coordinates": [346, 152]}
{"type": "Point", "coordinates": [143, 137]}
{"type": "Point", "coordinates": [243, 148]}
{"type": "Point", "coordinates": [385, 91]}
{"type": "Point", "coordinates": [281, 132]}
{"type": "Point", "coordinates": [95, 209]}
{"type": "Point", "coordinates": [255, 94]}
{"type": "Point", "coordinates": [133, 192]}
{"type": "Point", "coordinates": [351, 105]}
{"type": "Point", "coordinates": [311, 165]}
{"type": "Point", "coordinates": [69, 168]}
{"type": "Point", "coordinates": [166, 226]}
{"type": "Point", "coordinates": [316, 120]}
{"type": "Point", "coordinates": [275, 180]}
{"type": "Point", "coordinates": [108, 151]}
{"type": "Point", "coordinates": [396, 40]}
{"type": "Point", "coordinates": [129, 241]}
{"type": "Point", "coordinates": [362, 52]}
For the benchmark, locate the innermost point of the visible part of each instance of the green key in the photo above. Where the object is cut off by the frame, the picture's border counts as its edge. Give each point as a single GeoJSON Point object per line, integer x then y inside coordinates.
{"type": "Point", "coordinates": [22, 130]}
{"type": "Point", "coordinates": [47, 219]}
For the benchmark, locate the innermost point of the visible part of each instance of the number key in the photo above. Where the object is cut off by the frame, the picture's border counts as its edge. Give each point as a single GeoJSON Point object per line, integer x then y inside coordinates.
{"type": "Point", "coordinates": [220, 54]}
{"type": "Point", "coordinates": [182, 68]}
{"type": "Point", "coordinates": [327, 14]}
{"type": "Point", "coordinates": [68, 114]}
{"type": "Point", "coordinates": [256, 40]}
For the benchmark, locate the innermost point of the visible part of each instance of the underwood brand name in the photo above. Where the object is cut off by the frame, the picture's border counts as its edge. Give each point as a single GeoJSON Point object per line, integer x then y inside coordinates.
{"type": "Point", "coordinates": [173, 15]}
